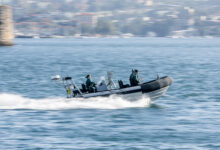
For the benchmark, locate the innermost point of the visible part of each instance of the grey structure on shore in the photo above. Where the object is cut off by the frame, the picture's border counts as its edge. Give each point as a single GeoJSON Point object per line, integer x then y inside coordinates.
{"type": "Point", "coordinates": [6, 26]}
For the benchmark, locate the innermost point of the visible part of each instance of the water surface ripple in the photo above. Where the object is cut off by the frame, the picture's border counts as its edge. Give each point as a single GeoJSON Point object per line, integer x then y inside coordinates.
{"type": "Point", "coordinates": [34, 113]}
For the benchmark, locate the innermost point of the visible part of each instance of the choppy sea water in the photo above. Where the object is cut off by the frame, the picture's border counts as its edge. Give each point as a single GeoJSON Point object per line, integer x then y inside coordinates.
{"type": "Point", "coordinates": [34, 113]}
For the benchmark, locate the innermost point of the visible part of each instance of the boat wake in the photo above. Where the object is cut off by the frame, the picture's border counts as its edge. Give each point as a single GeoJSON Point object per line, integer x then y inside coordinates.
{"type": "Point", "coordinates": [12, 101]}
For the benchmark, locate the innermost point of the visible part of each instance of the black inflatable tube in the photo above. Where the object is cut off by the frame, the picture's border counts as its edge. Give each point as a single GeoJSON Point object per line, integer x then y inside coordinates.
{"type": "Point", "coordinates": [156, 84]}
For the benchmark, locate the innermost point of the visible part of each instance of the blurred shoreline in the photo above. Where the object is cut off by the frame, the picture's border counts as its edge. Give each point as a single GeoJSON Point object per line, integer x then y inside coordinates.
{"type": "Point", "coordinates": [124, 18]}
{"type": "Point", "coordinates": [105, 36]}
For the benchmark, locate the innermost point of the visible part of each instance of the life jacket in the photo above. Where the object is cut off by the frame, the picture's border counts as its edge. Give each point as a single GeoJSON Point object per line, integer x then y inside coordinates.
{"type": "Point", "coordinates": [69, 90]}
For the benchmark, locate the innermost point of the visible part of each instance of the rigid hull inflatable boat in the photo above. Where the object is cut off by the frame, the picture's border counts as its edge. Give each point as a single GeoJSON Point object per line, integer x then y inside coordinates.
{"type": "Point", "coordinates": [153, 89]}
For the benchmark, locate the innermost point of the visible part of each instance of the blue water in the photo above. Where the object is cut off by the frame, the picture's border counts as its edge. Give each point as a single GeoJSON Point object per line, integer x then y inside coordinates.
{"type": "Point", "coordinates": [34, 113]}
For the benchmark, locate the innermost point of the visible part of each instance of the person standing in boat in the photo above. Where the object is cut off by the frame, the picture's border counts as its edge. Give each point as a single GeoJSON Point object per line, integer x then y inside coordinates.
{"type": "Point", "coordinates": [131, 77]}
{"type": "Point", "coordinates": [89, 84]}
{"type": "Point", "coordinates": [134, 79]}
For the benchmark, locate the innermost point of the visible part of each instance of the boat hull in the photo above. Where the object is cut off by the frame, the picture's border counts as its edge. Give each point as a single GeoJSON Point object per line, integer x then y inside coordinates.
{"type": "Point", "coordinates": [153, 89]}
{"type": "Point", "coordinates": [154, 95]}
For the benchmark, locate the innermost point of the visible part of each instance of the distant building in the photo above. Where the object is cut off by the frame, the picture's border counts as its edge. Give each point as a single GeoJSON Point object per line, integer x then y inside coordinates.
{"type": "Point", "coordinates": [203, 18]}
{"type": "Point", "coordinates": [86, 18]}
{"type": "Point", "coordinates": [149, 3]}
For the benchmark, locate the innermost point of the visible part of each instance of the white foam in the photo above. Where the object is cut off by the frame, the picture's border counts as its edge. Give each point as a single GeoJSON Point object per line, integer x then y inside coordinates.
{"type": "Point", "coordinates": [12, 101]}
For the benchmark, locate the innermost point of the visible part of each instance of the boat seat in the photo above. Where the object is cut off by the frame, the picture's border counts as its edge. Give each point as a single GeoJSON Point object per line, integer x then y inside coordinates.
{"type": "Point", "coordinates": [89, 89]}
{"type": "Point", "coordinates": [84, 88]}
{"type": "Point", "coordinates": [121, 84]}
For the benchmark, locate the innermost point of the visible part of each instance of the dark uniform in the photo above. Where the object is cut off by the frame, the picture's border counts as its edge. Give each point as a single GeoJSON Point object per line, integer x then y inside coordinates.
{"type": "Point", "coordinates": [90, 85]}
{"type": "Point", "coordinates": [134, 80]}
